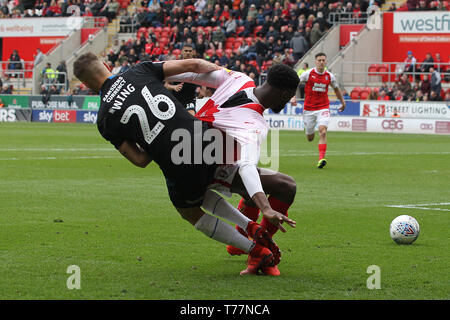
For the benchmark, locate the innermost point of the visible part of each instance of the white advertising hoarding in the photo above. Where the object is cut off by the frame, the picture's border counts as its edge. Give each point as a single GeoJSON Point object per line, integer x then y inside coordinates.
{"type": "Point", "coordinates": [39, 27]}
{"type": "Point", "coordinates": [365, 124]}
{"type": "Point", "coordinates": [406, 109]}
{"type": "Point", "coordinates": [430, 22]}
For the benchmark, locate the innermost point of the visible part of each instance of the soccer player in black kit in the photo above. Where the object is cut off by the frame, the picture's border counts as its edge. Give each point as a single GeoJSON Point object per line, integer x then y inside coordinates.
{"type": "Point", "coordinates": [138, 116]}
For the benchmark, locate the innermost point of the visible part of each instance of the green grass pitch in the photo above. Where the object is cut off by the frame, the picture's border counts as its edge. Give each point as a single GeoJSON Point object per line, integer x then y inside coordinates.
{"type": "Point", "coordinates": [118, 225]}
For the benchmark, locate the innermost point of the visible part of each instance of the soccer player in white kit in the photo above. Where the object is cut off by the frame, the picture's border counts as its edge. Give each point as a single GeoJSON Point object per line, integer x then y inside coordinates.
{"type": "Point", "coordinates": [236, 107]}
{"type": "Point", "coordinates": [316, 108]}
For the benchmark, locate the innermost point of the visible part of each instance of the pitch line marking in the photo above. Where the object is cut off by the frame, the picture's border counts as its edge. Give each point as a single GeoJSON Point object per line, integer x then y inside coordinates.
{"type": "Point", "coordinates": [422, 206]}
{"type": "Point", "coordinates": [60, 158]}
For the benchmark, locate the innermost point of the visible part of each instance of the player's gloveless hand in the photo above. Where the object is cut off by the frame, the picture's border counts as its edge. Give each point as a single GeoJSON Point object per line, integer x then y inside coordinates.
{"type": "Point", "coordinates": [277, 218]}
{"type": "Point", "coordinates": [342, 108]}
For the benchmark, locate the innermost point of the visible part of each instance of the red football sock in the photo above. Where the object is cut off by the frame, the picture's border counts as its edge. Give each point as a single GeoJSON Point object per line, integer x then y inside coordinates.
{"type": "Point", "coordinates": [322, 150]}
{"type": "Point", "coordinates": [250, 212]}
{"type": "Point", "coordinates": [276, 205]}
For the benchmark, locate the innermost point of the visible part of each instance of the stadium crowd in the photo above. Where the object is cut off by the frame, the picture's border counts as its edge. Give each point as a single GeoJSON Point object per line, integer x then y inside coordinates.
{"type": "Point", "coordinates": [231, 32]}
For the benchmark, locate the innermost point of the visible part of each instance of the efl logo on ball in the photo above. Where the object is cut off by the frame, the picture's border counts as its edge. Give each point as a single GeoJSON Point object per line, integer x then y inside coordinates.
{"type": "Point", "coordinates": [404, 229]}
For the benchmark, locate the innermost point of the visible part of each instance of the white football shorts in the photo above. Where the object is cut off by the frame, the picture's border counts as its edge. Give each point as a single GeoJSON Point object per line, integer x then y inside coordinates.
{"type": "Point", "coordinates": [223, 178]}
{"type": "Point", "coordinates": [316, 117]}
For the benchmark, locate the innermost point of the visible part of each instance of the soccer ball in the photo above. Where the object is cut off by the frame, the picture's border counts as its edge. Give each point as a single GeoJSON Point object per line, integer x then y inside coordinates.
{"type": "Point", "coordinates": [404, 229]}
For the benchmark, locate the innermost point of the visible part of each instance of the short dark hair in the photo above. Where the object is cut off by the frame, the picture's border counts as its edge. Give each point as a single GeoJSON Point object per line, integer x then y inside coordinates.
{"type": "Point", "coordinates": [282, 77]}
{"type": "Point", "coordinates": [83, 63]}
{"type": "Point", "coordinates": [188, 45]}
{"type": "Point", "coordinates": [320, 54]}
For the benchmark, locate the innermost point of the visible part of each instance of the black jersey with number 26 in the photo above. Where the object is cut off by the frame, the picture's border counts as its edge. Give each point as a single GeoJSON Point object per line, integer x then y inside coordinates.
{"type": "Point", "coordinates": [135, 106]}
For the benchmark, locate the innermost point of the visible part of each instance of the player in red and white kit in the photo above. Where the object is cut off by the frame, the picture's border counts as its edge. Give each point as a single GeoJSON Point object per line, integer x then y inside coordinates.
{"type": "Point", "coordinates": [316, 108]}
{"type": "Point", "coordinates": [237, 107]}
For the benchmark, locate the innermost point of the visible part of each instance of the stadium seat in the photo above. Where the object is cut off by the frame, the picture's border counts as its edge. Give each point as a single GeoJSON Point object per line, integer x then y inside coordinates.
{"type": "Point", "coordinates": [355, 93]}
{"type": "Point", "coordinates": [176, 52]}
{"type": "Point", "coordinates": [219, 53]}
{"type": "Point", "coordinates": [373, 68]}
{"type": "Point", "coordinates": [257, 29]}
{"type": "Point", "coordinates": [240, 29]}
{"type": "Point", "coordinates": [123, 4]}
{"type": "Point", "coordinates": [236, 45]}
{"type": "Point", "coordinates": [208, 30]}
{"type": "Point", "coordinates": [229, 45]}
{"type": "Point", "coordinates": [364, 95]}
{"type": "Point", "coordinates": [383, 69]}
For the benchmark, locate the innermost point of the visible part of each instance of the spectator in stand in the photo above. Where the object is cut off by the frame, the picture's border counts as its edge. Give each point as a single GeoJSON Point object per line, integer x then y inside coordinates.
{"type": "Point", "coordinates": [425, 86]}
{"type": "Point", "coordinates": [49, 74]}
{"type": "Point", "coordinates": [288, 58]}
{"type": "Point", "coordinates": [447, 96]}
{"type": "Point", "coordinates": [412, 4]}
{"type": "Point", "coordinates": [384, 87]}
{"type": "Point", "coordinates": [299, 45]}
{"type": "Point", "coordinates": [427, 63]}
{"type": "Point", "coordinates": [393, 7]}
{"type": "Point", "coordinates": [7, 89]}
{"type": "Point", "coordinates": [315, 35]}
{"type": "Point", "coordinates": [410, 63]}
{"type": "Point", "coordinates": [199, 5]}
{"type": "Point", "coordinates": [435, 96]}
{"type": "Point", "coordinates": [230, 26]}
{"type": "Point", "coordinates": [423, 6]}
{"type": "Point", "coordinates": [116, 68]}
{"type": "Point", "coordinates": [218, 38]}
{"type": "Point", "coordinates": [111, 10]}
{"type": "Point", "coordinates": [404, 85]}
{"type": "Point", "coordinates": [399, 95]}
{"type": "Point", "coordinates": [39, 56]}
{"type": "Point", "coordinates": [435, 83]}
{"type": "Point", "coordinates": [62, 78]}
{"type": "Point", "coordinates": [14, 63]}
{"type": "Point", "coordinates": [419, 96]}
{"type": "Point", "coordinates": [249, 25]}
{"type": "Point", "coordinates": [125, 67]}
{"type": "Point", "coordinates": [383, 95]}
{"type": "Point", "coordinates": [438, 61]}
{"type": "Point", "coordinates": [373, 95]}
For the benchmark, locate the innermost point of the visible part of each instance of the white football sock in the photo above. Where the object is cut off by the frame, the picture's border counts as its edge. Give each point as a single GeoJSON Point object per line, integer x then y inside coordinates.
{"type": "Point", "coordinates": [221, 231]}
{"type": "Point", "coordinates": [218, 206]}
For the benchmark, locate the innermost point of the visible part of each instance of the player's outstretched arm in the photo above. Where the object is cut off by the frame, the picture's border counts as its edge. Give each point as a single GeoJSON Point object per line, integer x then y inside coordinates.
{"type": "Point", "coordinates": [174, 67]}
{"type": "Point", "coordinates": [275, 217]}
{"type": "Point", "coordinates": [211, 79]}
{"type": "Point", "coordinates": [134, 154]}
{"type": "Point", "coordinates": [338, 93]}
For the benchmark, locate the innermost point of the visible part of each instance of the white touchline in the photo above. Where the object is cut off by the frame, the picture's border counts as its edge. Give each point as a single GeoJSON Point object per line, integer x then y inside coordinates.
{"type": "Point", "coordinates": [60, 158]}
{"type": "Point", "coordinates": [56, 149]}
{"type": "Point", "coordinates": [422, 206]}
{"type": "Point", "coordinates": [337, 153]}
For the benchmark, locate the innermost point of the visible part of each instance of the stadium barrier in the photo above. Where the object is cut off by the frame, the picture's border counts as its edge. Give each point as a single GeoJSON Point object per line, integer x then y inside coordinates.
{"type": "Point", "coordinates": [359, 116]}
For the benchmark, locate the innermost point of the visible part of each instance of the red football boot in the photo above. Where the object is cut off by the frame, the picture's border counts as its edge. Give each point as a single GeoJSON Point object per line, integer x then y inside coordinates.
{"type": "Point", "coordinates": [262, 237]}
{"type": "Point", "coordinates": [259, 257]}
{"type": "Point", "coordinates": [271, 271]}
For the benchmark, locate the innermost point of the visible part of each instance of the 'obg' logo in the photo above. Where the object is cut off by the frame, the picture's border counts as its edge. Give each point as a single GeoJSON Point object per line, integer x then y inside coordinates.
{"type": "Point", "coordinates": [392, 124]}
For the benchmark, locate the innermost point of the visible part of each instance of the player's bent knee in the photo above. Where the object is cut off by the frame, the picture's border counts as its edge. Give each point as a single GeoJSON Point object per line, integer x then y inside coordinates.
{"type": "Point", "coordinates": [286, 188]}
{"type": "Point", "coordinates": [192, 215]}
